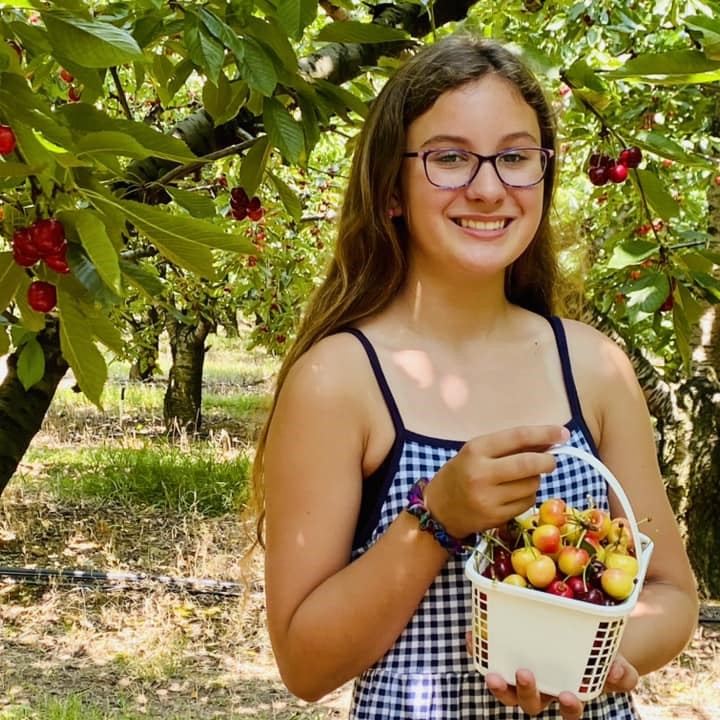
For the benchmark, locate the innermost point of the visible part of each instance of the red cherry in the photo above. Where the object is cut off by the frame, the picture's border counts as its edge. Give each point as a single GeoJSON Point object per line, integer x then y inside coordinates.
{"type": "Point", "coordinates": [58, 261]}
{"type": "Point", "coordinates": [618, 173]}
{"type": "Point", "coordinates": [74, 94]}
{"type": "Point", "coordinates": [7, 140]}
{"type": "Point", "coordinates": [668, 304]}
{"type": "Point", "coordinates": [66, 75]}
{"type": "Point", "coordinates": [717, 180]}
{"type": "Point", "coordinates": [256, 214]}
{"type": "Point", "coordinates": [598, 175]}
{"type": "Point", "coordinates": [239, 198]}
{"type": "Point", "coordinates": [25, 251]}
{"type": "Point", "coordinates": [558, 587]}
{"type": "Point", "coordinates": [255, 204]}
{"type": "Point", "coordinates": [239, 213]}
{"type": "Point", "coordinates": [42, 296]}
{"type": "Point", "coordinates": [48, 235]}
{"type": "Point", "coordinates": [631, 157]}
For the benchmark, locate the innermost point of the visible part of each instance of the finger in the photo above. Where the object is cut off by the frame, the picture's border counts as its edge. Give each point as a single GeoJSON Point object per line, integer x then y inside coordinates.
{"type": "Point", "coordinates": [622, 676]}
{"type": "Point", "coordinates": [570, 707]}
{"type": "Point", "coordinates": [502, 692]}
{"type": "Point", "coordinates": [523, 438]}
{"type": "Point", "coordinates": [528, 695]}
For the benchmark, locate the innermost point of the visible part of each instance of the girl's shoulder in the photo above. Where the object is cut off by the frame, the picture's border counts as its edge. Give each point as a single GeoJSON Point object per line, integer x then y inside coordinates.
{"type": "Point", "coordinates": [597, 360]}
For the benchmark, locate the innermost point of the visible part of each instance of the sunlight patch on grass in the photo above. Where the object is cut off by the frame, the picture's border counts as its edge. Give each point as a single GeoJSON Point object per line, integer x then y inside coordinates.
{"type": "Point", "coordinates": [191, 479]}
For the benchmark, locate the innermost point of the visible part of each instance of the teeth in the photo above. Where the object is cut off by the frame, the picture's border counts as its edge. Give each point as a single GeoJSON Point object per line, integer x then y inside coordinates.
{"type": "Point", "coordinates": [480, 225]}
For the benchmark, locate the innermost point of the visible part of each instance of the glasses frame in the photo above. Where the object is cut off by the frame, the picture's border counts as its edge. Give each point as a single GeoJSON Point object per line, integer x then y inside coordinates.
{"type": "Point", "coordinates": [492, 159]}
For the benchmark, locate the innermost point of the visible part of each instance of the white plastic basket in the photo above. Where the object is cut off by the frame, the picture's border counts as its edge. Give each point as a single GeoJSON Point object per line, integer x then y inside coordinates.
{"type": "Point", "coordinates": [568, 644]}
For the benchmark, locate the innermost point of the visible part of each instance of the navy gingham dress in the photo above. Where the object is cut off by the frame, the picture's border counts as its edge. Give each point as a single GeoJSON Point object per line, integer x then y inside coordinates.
{"type": "Point", "coordinates": [428, 674]}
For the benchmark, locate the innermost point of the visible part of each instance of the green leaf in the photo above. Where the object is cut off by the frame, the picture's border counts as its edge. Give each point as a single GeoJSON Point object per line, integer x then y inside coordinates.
{"type": "Point", "coordinates": [659, 199]}
{"type": "Point", "coordinates": [144, 278]}
{"type": "Point", "coordinates": [674, 67]}
{"type": "Point", "coordinates": [708, 284]}
{"type": "Point", "coordinates": [10, 276]}
{"type": "Point", "coordinates": [288, 197]}
{"type": "Point", "coordinates": [183, 240]}
{"type": "Point", "coordinates": [204, 50]}
{"type": "Point", "coordinates": [4, 342]}
{"type": "Point", "coordinates": [709, 31]}
{"type": "Point", "coordinates": [90, 120]}
{"type": "Point", "coordinates": [693, 309]}
{"type": "Point", "coordinates": [114, 143]}
{"type": "Point", "coordinates": [90, 43]}
{"type": "Point", "coordinates": [257, 68]}
{"type": "Point", "coordinates": [342, 99]}
{"type": "Point", "coordinates": [681, 326]}
{"type": "Point", "coordinates": [86, 277]}
{"type": "Point", "coordinates": [31, 363]}
{"type": "Point", "coordinates": [78, 348]}
{"type": "Point", "coordinates": [295, 15]}
{"type": "Point", "coordinates": [581, 75]}
{"type": "Point", "coordinates": [253, 165]}
{"type": "Point", "coordinates": [267, 32]}
{"type": "Point", "coordinates": [224, 100]}
{"type": "Point", "coordinates": [284, 132]}
{"type": "Point", "coordinates": [649, 292]}
{"type": "Point", "coordinates": [665, 147]}
{"type": "Point", "coordinates": [632, 252]}
{"type": "Point", "coordinates": [19, 170]}
{"type": "Point", "coordinates": [198, 204]}
{"type": "Point", "coordinates": [106, 332]}
{"type": "Point", "coordinates": [94, 237]}
{"type": "Point", "coordinates": [353, 31]}
{"type": "Point", "coordinates": [222, 32]}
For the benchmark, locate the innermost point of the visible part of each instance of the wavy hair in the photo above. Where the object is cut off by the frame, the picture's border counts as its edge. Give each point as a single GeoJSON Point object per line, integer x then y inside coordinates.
{"type": "Point", "coordinates": [369, 265]}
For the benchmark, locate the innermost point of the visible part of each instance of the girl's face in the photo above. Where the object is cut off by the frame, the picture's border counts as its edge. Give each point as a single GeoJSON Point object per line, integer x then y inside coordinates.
{"type": "Point", "coordinates": [482, 228]}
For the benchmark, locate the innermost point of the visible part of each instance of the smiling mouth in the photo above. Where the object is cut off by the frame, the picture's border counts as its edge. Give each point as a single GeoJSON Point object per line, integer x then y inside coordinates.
{"type": "Point", "coordinates": [482, 225]}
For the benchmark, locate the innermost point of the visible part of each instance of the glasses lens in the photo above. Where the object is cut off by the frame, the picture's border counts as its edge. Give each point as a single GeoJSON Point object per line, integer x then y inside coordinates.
{"type": "Point", "coordinates": [521, 166]}
{"type": "Point", "coordinates": [450, 168]}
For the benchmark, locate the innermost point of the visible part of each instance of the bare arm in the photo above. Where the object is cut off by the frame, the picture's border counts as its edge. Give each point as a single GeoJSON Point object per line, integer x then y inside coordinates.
{"type": "Point", "coordinates": [627, 446]}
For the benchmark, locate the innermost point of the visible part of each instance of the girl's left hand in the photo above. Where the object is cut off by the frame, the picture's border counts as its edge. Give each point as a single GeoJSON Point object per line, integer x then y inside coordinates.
{"type": "Point", "coordinates": [526, 695]}
{"type": "Point", "coordinates": [622, 677]}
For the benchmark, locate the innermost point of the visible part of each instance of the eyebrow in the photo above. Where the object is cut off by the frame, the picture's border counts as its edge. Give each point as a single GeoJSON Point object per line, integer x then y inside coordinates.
{"type": "Point", "coordinates": [460, 140]}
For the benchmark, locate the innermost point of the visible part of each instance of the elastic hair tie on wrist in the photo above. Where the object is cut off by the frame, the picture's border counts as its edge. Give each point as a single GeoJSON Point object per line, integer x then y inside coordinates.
{"type": "Point", "coordinates": [416, 507]}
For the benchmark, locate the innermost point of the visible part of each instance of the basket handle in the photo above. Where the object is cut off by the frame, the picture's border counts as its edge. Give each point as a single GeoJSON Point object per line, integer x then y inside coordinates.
{"type": "Point", "coordinates": [612, 481]}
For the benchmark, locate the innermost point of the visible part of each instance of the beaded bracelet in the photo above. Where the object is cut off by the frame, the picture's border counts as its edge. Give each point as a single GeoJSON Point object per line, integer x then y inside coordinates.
{"type": "Point", "coordinates": [416, 506]}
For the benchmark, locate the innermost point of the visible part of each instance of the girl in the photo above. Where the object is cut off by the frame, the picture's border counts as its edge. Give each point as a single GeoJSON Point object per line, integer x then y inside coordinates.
{"type": "Point", "coordinates": [431, 352]}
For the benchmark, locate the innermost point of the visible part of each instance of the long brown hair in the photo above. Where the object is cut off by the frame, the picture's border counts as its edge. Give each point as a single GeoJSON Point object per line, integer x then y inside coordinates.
{"type": "Point", "coordinates": [369, 264]}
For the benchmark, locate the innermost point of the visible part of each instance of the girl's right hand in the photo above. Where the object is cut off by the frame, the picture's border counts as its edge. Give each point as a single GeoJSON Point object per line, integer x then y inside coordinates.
{"type": "Point", "coordinates": [493, 478]}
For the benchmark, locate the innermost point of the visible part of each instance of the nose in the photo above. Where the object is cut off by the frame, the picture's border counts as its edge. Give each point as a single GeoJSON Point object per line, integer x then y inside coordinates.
{"type": "Point", "coordinates": [486, 185]}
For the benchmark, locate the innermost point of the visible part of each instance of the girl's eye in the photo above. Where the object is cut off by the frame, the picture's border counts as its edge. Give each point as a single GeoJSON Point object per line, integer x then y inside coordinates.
{"type": "Point", "coordinates": [448, 157]}
{"type": "Point", "coordinates": [512, 158]}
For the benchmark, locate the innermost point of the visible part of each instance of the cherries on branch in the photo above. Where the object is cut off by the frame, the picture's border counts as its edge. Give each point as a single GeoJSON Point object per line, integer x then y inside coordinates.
{"type": "Point", "coordinates": [604, 169]}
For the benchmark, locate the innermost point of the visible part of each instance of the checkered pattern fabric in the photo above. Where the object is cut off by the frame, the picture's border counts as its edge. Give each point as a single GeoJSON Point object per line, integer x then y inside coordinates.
{"type": "Point", "coordinates": [428, 673]}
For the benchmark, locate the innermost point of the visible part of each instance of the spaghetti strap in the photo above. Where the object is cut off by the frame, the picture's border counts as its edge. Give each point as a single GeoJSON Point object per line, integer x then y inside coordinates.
{"type": "Point", "coordinates": [569, 380]}
{"type": "Point", "coordinates": [380, 378]}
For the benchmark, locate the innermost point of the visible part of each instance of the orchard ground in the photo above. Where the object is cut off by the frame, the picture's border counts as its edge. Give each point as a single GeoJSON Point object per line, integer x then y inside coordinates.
{"type": "Point", "coordinates": [124, 651]}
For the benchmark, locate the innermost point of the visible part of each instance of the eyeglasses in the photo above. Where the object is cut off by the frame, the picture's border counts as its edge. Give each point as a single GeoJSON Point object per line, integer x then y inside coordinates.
{"type": "Point", "coordinates": [452, 168]}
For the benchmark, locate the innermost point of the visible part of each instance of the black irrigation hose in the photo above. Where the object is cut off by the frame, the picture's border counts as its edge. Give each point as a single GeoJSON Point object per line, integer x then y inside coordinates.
{"type": "Point", "coordinates": [43, 576]}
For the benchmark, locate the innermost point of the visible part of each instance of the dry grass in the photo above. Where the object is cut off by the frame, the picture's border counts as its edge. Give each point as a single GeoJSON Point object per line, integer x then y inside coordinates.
{"type": "Point", "coordinates": [146, 650]}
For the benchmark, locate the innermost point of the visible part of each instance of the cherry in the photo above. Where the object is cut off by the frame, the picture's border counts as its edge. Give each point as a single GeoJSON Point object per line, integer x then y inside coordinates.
{"type": "Point", "coordinates": [42, 296]}
{"type": "Point", "coordinates": [7, 140]}
{"type": "Point", "coordinates": [255, 209]}
{"type": "Point", "coordinates": [74, 94]}
{"type": "Point", "coordinates": [667, 304]}
{"type": "Point", "coordinates": [66, 75]}
{"type": "Point", "coordinates": [58, 261]}
{"type": "Point", "coordinates": [561, 588]}
{"type": "Point", "coordinates": [48, 235]}
{"type": "Point", "coordinates": [631, 157]}
{"type": "Point", "coordinates": [239, 198]}
{"type": "Point", "coordinates": [618, 173]}
{"type": "Point", "coordinates": [598, 175]}
{"type": "Point", "coordinates": [25, 251]}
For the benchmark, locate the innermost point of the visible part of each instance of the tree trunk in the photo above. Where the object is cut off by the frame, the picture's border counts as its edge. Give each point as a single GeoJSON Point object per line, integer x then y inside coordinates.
{"type": "Point", "coordinates": [183, 397]}
{"type": "Point", "coordinates": [23, 411]}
